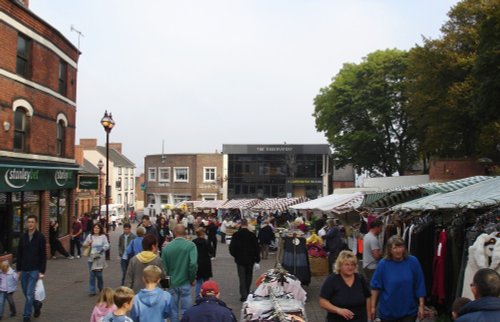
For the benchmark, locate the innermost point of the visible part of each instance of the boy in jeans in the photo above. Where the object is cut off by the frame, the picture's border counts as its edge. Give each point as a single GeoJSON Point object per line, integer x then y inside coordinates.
{"type": "Point", "coordinates": [123, 298]}
{"type": "Point", "coordinates": [151, 303]}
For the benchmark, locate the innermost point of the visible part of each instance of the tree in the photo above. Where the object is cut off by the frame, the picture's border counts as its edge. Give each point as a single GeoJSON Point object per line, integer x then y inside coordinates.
{"type": "Point", "coordinates": [453, 84]}
{"type": "Point", "coordinates": [363, 114]}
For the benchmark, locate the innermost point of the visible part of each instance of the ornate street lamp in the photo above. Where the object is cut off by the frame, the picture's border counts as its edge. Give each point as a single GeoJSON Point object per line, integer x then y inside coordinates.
{"type": "Point", "coordinates": [108, 124]}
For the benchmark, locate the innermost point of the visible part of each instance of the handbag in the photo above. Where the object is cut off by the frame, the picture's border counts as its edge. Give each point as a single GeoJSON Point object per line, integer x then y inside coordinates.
{"type": "Point", "coordinates": [86, 251]}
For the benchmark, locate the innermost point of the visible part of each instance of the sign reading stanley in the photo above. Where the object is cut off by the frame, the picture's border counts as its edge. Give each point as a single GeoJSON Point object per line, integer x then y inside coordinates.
{"type": "Point", "coordinates": [88, 182]}
{"type": "Point", "coordinates": [31, 178]}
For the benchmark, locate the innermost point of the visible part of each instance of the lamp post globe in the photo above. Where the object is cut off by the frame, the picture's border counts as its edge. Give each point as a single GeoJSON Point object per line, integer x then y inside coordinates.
{"type": "Point", "coordinates": [107, 123]}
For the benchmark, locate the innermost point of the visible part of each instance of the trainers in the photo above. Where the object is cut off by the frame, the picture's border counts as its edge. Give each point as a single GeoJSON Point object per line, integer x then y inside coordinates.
{"type": "Point", "coordinates": [70, 257]}
{"type": "Point", "coordinates": [78, 256]}
{"type": "Point", "coordinates": [53, 257]}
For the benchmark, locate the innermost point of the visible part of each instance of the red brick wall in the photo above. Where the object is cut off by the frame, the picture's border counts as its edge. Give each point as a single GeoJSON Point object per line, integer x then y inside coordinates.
{"type": "Point", "coordinates": [343, 184]}
{"type": "Point", "coordinates": [445, 170]}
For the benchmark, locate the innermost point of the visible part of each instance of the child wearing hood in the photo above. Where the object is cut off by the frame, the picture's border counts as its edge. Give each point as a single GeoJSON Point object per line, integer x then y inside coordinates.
{"type": "Point", "coordinates": [104, 305]}
{"type": "Point", "coordinates": [8, 285]}
{"type": "Point", "coordinates": [151, 303]}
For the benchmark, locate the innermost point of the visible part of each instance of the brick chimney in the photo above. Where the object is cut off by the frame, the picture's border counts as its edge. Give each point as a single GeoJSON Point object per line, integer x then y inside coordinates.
{"type": "Point", "coordinates": [79, 154]}
{"type": "Point", "coordinates": [116, 146]}
{"type": "Point", "coordinates": [88, 144]}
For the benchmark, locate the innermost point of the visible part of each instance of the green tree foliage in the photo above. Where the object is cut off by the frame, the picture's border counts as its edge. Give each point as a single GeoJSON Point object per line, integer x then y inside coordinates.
{"type": "Point", "coordinates": [363, 114]}
{"type": "Point", "coordinates": [453, 84]}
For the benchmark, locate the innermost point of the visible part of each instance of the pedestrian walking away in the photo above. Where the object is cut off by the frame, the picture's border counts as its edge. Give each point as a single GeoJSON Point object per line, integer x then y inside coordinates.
{"type": "Point", "coordinates": [76, 233]}
{"type": "Point", "coordinates": [31, 265]}
{"type": "Point", "coordinates": [55, 243]}
{"type": "Point", "coordinates": [245, 249]}
{"type": "Point", "coordinates": [204, 272]}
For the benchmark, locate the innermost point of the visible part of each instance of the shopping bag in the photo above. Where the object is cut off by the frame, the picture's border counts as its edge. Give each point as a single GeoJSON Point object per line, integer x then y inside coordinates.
{"type": "Point", "coordinates": [256, 267]}
{"type": "Point", "coordinates": [39, 291]}
{"type": "Point", "coordinates": [86, 251]}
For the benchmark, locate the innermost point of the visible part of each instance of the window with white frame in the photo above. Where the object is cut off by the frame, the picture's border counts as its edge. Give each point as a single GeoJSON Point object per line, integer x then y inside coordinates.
{"type": "Point", "coordinates": [209, 174]}
{"type": "Point", "coordinates": [151, 174]}
{"type": "Point", "coordinates": [181, 198]}
{"type": "Point", "coordinates": [119, 170]}
{"type": "Point", "coordinates": [164, 174]}
{"type": "Point", "coordinates": [132, 184]}
{"type": "Point", "coordinates": [126, 184]}
{"type": "Point", "coordinates": [208, 196]}
{"type": "Point", "coordinates": [119, 198]}
{"type": "Point", "coordinates": [181, 174]}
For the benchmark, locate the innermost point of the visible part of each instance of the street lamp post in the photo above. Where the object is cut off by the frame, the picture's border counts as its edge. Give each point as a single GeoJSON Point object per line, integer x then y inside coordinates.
{"type": "Point", "coordinates": [108, 124]}
{"type": "Point", "coordinates": [100, 165]}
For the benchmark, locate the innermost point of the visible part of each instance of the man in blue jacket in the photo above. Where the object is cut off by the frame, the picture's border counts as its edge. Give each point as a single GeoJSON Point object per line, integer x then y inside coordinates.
{"type": "Point", "coordinates": [31, 263]}
{"type": "Point", "coordinates": [486, 306]}
{"type": "Point", "coordinates": [209, 308]}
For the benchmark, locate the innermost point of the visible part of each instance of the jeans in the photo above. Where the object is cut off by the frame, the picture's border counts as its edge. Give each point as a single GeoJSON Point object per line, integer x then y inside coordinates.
{"type": "Point", "coordinates": [197, 288]}
{"type": "Point", "coordinates": [28, 283]}
{"type": "Point", "coordinates": [75, 242]}
{"type": "Point", "coordinates": [245, 276]}
{"type": "Point", "coordinates": [181, 296]}
{"type": "Point", "coordinates": [222, 237]}
{"type": "Point", "coordinates": [93, 276]}
{"type": "Point", "coordinates": [7, 296]}
{"type": "Point", "coordinates": [124, 265]}
{"type": "Point", "coordinates": [213, 243]}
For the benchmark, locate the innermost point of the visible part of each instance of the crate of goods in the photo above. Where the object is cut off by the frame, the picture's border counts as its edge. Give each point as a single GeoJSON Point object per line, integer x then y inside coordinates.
{"type": "Point", "coordinates": [318, 266]}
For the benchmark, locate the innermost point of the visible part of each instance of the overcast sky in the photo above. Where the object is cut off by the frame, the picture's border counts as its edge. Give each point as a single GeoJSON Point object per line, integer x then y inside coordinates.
{"type": "Point", "coordinates": [199, 74]}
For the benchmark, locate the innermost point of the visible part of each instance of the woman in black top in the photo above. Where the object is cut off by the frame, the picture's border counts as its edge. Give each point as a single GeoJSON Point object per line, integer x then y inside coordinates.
{"type": "Point", "coordinates": [204, 249]}
{"type": "Point", "coordinates": [165, 235]}
{"type": "Point", "coordinates": [345, 294]}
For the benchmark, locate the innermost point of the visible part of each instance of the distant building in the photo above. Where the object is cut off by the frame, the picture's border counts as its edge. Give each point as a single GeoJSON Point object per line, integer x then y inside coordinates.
{"type": "Point", "coordinates": [172, 178]}
{"type": "Point", "coordinates": [38, 73]}
{"type": "Point", "coordinates": [277, 170]}
{"type": "Point", "coordinates": [344, 177]}
{"type": "Point", "coordinates": [140, 187]}
{"type": "Point", "coordinates": [121, 172]}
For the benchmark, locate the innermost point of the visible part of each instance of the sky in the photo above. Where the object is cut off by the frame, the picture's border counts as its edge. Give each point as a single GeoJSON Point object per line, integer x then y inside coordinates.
{"type": "Point", "coordinates": [188, 76]}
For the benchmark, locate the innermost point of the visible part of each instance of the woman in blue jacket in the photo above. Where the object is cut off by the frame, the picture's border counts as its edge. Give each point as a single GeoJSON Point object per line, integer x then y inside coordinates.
{"type": "Point", "coordinates": [398, 283]}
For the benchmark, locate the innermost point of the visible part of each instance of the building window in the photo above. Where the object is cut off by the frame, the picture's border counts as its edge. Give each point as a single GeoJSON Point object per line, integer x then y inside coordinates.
{"type": "Point", "coordinates": [119, 184]}
{"type": "Point", "coordinates": [181, 174]}
{"type": "Point", "coordinates": [208, 196]}
{"type": "Point", "coordinates": [164, 174]}
{"type": "Point", "coordinates": [119, 199]}
{"type": "Point", "coordinates": [20, 130]}
{"type": "Point", "coordinates": [151, 174]}
{"type": "Point", "coordinates": [132, 184]}
{"type": "Point", "coordinates": [209, 174]}
{"type": "Point", "coordinates": [120, 171]}
{"type": "Point", "coordinates": [63, 71]}
{"type": "Point", "coordinates": [126, 183]}
{"type": "Point", "coordinates": [59, 210]}
{"type": "Point", "coordinates": [181, 198]}
{"type": "Point", "coordinates": [23, 55]}
{"type": "Point", "coordinates": [61, 136]}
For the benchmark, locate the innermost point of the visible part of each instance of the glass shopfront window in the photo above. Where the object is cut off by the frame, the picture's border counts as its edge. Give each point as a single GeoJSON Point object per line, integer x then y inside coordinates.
{"type": "Point", "coordinates": [58, 210]}
{"type": "Point", "coordinates": [5, 223]}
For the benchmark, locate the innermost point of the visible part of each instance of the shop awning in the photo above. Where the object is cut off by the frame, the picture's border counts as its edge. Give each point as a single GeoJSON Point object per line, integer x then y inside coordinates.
{"type": "Point", "coordinates": [455, 184]}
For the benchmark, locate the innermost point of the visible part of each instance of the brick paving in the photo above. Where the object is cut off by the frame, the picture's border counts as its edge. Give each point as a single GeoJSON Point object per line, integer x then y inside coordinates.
{"type": "Point", "coordinates": [66, 283]}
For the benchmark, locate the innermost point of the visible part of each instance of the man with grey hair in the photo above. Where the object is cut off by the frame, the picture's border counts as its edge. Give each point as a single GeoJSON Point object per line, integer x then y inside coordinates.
{"type": "Point", "coordinates": [486, 306]}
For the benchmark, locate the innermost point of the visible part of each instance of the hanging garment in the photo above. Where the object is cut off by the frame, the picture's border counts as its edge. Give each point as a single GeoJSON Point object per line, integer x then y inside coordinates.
{"type": "Point", "coordinates": [439, 267]}
{"type": "Point", "coordinates": [482, 254]}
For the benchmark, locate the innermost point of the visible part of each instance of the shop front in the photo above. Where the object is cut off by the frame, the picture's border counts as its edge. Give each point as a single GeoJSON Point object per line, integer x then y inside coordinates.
{"type": "Point", "coordinates": [29, 188]}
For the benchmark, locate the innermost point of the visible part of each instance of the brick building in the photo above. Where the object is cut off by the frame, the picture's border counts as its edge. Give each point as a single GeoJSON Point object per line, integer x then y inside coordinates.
{"type": "Point", "coordinates": [38, 70]}
{"type": "Point", "coordinates": [172, 178]}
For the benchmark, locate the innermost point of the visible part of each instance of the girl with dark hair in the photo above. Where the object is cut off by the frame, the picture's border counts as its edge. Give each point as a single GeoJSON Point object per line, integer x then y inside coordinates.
{"type": "Point", "coordinates": [98, 243]}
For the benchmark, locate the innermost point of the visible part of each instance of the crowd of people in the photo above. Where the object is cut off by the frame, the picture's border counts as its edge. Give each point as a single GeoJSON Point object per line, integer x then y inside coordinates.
{"type": "Point", "coordinates": [389, 286]}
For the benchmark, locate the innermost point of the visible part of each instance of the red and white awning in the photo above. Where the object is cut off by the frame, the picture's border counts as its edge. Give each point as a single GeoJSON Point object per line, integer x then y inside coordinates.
{"type": "Point", "coordinates": [211, 204]}
{"type": "Point", "coordinates": [240, 203]}
{"type": "Point", "coordinates": [280, 204]}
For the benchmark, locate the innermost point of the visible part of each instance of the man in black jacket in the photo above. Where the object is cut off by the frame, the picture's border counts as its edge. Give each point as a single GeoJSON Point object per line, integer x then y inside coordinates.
{"type": "Point", "coordinates": [244, 248]}
{"type": "Point", "coordinates": [31, 263]}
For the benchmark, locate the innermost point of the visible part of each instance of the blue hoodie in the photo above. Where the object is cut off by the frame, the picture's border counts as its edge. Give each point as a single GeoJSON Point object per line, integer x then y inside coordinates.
{"type": "Point", "coordinates": [485, 309]}
{"type": "Point", "coordinates": [151, 305]}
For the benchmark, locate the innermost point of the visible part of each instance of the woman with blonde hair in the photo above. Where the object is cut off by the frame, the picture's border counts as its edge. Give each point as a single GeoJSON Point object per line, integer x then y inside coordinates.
{"type": "Point", "coordinates": [399, 283]}
{"type": "Point", "coordinates": [345, 294]}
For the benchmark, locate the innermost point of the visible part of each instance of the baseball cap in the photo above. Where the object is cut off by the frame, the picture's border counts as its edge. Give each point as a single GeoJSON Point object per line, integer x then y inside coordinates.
{"type": "Point", "coordinates": [209, 287]}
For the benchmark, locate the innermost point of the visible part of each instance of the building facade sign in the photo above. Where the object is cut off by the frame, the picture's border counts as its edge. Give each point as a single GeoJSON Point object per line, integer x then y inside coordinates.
{"type": "Point", "coordinates": [88, 182]}
{"type": "Point", "coordinates": [25, 178]}
{"type": "Point", "coordinates": [276, 149]}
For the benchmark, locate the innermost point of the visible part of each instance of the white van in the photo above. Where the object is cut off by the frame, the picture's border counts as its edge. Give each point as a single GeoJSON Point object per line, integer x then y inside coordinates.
{"type": "Point", "coordinates": [116, 212]}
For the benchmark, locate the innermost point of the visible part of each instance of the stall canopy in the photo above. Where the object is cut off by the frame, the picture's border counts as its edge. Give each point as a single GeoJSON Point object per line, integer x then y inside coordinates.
{"type": "Point", "coordinates": [211, 204]}
{"type": "Point", "coordinates": [328, 203]}
{"type": "Point", "coordinates": [280, 204]}
{"type": "Point", "coordinates": [240, 203]}
{"type": "Point", "coordinates": [480, 195]}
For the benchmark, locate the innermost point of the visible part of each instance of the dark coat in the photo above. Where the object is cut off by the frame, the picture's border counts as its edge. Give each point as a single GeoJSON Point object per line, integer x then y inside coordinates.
{"type": "Point", "coordinates": [31, 255]}
{"type": "Point", "coordinates": [211, 230]}
{"type": "Point", "coordinates": [266, 235]}
{"type": "Point", "coordinates": [486, 309]}
{"type": "Point", "coordinates": [209, 309]}
{"type": "Point", "coordinates": [204, 263]}
{"type": "Point", "coordinates": [244, 247]}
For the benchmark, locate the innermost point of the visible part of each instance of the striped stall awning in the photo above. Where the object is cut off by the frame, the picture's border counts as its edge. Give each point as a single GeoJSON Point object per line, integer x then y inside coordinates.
{"type": "Point", "coordinates": [240, 203]}
{"type": "Point", "coordinates": [211, 204]}
{"type": "Point", "coordinates": [280, 204]}
{"type": "Point", "coordinates": [455, 184]}
{"type": "Point", "coordinates": [351, 205]}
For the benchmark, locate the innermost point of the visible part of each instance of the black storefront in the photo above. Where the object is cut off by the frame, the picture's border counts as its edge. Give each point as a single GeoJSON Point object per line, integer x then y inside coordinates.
{"type": "Point", "coordinates": [272, 171]}
{"type": "Point", "coordinates": [34, 188]}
